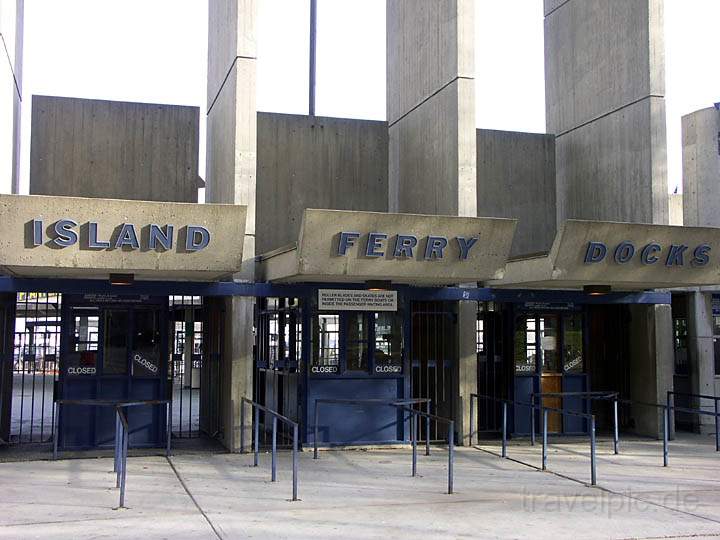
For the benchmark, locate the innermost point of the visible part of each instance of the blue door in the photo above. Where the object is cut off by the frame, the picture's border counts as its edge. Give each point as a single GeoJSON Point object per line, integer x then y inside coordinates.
{"type": "Point", "coordinates": [112, 351]}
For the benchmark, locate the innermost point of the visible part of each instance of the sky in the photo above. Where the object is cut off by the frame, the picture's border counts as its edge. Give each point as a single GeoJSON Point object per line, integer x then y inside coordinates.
{"type": "Point", "coordinates": [156, 51]}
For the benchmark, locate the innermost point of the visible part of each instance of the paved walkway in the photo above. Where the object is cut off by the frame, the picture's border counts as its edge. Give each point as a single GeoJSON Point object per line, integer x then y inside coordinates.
{"type": "Point", "coordinates": [370, 494]}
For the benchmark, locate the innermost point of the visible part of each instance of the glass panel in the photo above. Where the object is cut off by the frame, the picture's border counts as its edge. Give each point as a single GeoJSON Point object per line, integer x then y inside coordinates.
{"type": "Point", "coordinates": [480, 336]}
{"type": "Point", "coordinates": [388, 343]}
{"type": "Point", "coordinates": [716, 325]}
{"type": "Point", "coordinates": [357, 342]}
{"type": "Point", "coordinates": [525, 346]}
{"type": "Point", "coordinates": [82, 354]}
{"type": "Point", "coordinates": [273, 339]}
{"type": "Point", "coordinates": [326, 343]}
{"type": "Point", "coordinates": [116, 342]}
{"type": "Point", "coordinates": [716, 346]}
{"type": "Point", "coordinates": [549, 343]}
{"type": "Point", "coordinates": [146, 344]}
{"type": "Point", "coordinates": [572, 343]}
{"type": "Point", "coordinates": [680, 334]}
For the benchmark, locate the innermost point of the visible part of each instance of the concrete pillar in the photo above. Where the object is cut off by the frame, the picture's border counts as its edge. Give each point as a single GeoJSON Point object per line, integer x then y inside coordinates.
{"type": "Point", "coordinates": [11, 33]}
{"type": "Point", "coordinates": [701, 167]}
{"type": "Point", "coordinates": [231, 179]}
{"type": "Point", "coordinates": [651, 364]}
{"type": "Point", "coordinates": [702, 354]}
{"type": "Point", "coordinates": [604, 92]}
{"type": "Point", "coordinates": [432, 139]}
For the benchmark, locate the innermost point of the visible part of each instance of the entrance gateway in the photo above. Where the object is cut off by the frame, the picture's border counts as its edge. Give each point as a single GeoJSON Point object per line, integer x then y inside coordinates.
{"type": "Point", "coordinates": [364, 305]}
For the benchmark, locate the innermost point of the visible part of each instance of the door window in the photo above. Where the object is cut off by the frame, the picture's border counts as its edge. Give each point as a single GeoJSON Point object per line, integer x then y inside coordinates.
{"type": "Point", "coordinates": [146, 344]}
{"type": "Point", "coordinates": [326, 343]}
{"type": "Point", "coordinates": [549, 343]}
{"type": "Point", "coordinates": [81, 358]}
{"type": "Point", "coordinates": [357, 342]}
{"type": "Point", "coordinates": [572, 343]}
{"type": "Point", "coordinates": [388, 343]}
{"type": "Point", "coordinates": [525, 345]}
{"type": "Point", "coordinates": [115, 350]}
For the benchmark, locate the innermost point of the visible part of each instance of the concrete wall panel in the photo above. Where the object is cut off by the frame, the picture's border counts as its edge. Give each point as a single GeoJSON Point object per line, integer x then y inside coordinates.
{"type": "Point", "coordinates": [599, 56]}
{"type": "Point", "coordinates": [117, 150]}
{"type": "Point", "coordinates": [314, 162]}
{"type": "Point", "coordinates": [516, 178]}
{"type": "Point", "coordinates": [615, 168]}
{"type": "Point", "coordinates": [701, 167]}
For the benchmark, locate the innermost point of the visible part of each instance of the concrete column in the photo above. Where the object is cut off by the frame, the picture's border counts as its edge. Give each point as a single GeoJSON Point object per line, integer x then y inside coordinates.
{"type": "Point", "coordinates": [231, 179]}
{"type": "Point", "coordinates": [651, 364]}
{"type": "Point", "coordinates": [432, 140]}
{"type": "Point", "coordinates": [702, 354]}
{"type": "Point", "coordinates": [701, 167]}
{"type": "Point", "coordinates": [11, 32]}
{"type": "Point", "coordinates": [604, 92]}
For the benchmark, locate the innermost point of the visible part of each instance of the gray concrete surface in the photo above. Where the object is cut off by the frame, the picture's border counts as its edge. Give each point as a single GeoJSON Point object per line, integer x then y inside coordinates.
{"type": "Point", "coordinates": [316, 162]}
{"type": "Point", "coordinates": [370, 494]}
{"type": "Point", "coordinates": [516, 179]}
{"type": "Point", "coordinates": [701, 167]}
{"type": "Point", "coordinates": [604, 93]}
{"type": "Point", "coordinates": [11, 35]}
{"type": "Point", "coordinates": [114, 150]}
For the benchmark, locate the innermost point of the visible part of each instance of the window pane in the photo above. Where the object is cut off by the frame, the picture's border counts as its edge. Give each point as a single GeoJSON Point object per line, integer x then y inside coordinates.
{"type": "Point", "coordinates": [572, 343]}
{"type": "Point", "coordinates": [357, 342]}
{"type": "Point", "coordinates": [82, 357]}
{"type": "Point", "coordinates": [549, 343]}
{"type": "Point", "coordinates": [716, 344]}
{"type": "Point", "coordinates": [525, 347]}
{"type": "Point", "coordinates": [388, 343]}
{"type": "Point", "coordinates": [680, 333]}
{"type": "Point", "coordinates": [146, 344]}
{"type": "Point", "coordinates": [116, 342]}
{"type": "Point", "coordinates": [326, 343]}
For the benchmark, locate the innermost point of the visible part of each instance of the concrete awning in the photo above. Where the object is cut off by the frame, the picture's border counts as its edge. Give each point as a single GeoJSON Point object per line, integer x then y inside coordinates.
{"type": "Point", "coordinates": [351, 246]}
{"type": "Point", "coordinates": [625, 256]}
{"type": "Point", "coordinates": [92, 238]}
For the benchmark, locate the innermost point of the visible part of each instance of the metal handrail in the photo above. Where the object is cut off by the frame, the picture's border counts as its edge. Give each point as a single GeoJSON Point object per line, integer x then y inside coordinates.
{"type": "Point", "coordinates": [404, 405]}
{"type": "Point", "coordinates": [256, 408]}
{"type": "Point", "coordinates": [544, 411]}
{"type": "Point", "coordinates": [716, 399]}
{"type": "Point", "coordinates": [122, 431]}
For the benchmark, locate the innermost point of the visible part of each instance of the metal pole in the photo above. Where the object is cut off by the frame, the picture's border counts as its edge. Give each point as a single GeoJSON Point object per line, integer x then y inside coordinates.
{"type": "Point", "coordinates": [717, 426]}
{"type": "Point", "coordinates": [56, 416]}
{"type": "Point", "coordinates": [117, 442]}
{"type": "Point", "coordinates": [593, 476]}
{"type": "Point", "coordinates": [669, 409]}
{"type": "Point", "coordinates": [616, 432]}
{"type": "Point", "coordinates": [312, 63]}
{"type": "Point", "coordinates": [274, 449]}
{"type": "Point", "coordinates": [427, 435]}
{"type": "Point", "coordinates": [504, 429]}
{"type": "Point", "coordinates": [413, 435]}
{"type": "Point", "coordinates": [532, 420]}
{"type": "Point", "coordinates": [544, 438]}
{"type": "Point", "coordinates": [242, 425]}
{"type": "Point", "coordinates": [295, 462]}
{"type": "Point", "coordinates": [666, 426]}
{"type": "Point", "coordinates": [168, 411]}
{"type": "Point", "coordinates": [124, 467]}
{"type": "Point", "coordinates": [256, 427]}
{"type": "Point", "coordinates": [451, 455]}
{"type": "Point", "coordinates": [472, 417]}
{"type": "Point", "coordinates": [315, 438]}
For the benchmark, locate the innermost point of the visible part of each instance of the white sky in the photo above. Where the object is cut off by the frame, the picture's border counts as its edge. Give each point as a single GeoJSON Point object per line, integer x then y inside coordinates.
{"type": "Point", "coordinates": [156, 51]}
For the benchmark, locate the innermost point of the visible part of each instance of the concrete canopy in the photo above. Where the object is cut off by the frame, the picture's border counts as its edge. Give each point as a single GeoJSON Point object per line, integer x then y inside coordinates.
{"type": "Point", "coordinates": [323, 254]}
{"type": "Point", "coordinates": [625, 256]}
{"type": "Point", "coordinates": [91, 238]}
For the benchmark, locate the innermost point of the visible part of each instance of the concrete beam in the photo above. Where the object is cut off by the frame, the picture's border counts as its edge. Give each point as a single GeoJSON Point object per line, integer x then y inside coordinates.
{"type": "Point", "coordinates": [701, 167]}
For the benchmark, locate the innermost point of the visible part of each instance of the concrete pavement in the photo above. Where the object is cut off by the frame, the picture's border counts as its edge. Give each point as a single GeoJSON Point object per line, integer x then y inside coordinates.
{"type": "Point", "coordinates": [370, 494]}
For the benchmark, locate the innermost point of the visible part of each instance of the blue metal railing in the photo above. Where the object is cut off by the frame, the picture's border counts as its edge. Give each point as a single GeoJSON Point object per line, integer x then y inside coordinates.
{"type": "Point", "coordinates": [403, 405]}
{"type": "Point", "coordinates": [122, 432]}
{"type": "Point", "coordinates": [256, 408]}
{"type": "Point", "coordinates": [716, 400]}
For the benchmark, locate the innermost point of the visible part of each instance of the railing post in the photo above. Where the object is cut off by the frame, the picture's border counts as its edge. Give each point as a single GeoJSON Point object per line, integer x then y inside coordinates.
{"type": "Point", "coordinates": [504, 429]}
{"type": "Point", "coordinates": [427, 435]}
{"type": "Point", "coordinates": [666, 427]}
{"type": "Point", "coordinates": [168, 412]}
{"type": "Point", "coordinates": [242, 425]}
{"type": "Point", "coordinates": [717, 426]}
{"type": "Point", "coordinates": [273, 467]}
{"type": "Point", "coordinates": [451, 455]}
{"type": "Point", "coordinates": [295, 462]}
{"type": "Point", "coordinates": [593, 477]}
{"type": "Point", "coordinates": [472, 416]}
{"type": "Point", "coordinates": [256, 429]}
{"type": "Point", "coordinates": [669, 400]}
{"type": "Point", "coordinates": [56, 430]}
{"type": "Point", "coordinates": [315, 437]}
{"type": "Point", "coordinates": [544, 438]}
{"type": "Point", "coordinates": [616, 429]}
{"type": "Point", "coordinates": [413, 435]}
{"type": "Point", "coordinates": [532, 419]}
{"type": "Point", "coordinates": [117, 442]}
{"type": "Point", "coordinates": [126, 436]}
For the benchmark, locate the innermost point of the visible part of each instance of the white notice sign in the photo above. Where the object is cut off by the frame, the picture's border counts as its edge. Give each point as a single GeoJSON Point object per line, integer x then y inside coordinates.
{"type": "Point", "coordinates": [356, 300]}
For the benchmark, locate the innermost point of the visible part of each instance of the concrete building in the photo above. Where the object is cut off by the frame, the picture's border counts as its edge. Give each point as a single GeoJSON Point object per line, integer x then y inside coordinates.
{"type": "Point", "coordinates": [416, 261]}
{"type": "Point", "coordinates": [11, 32]}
